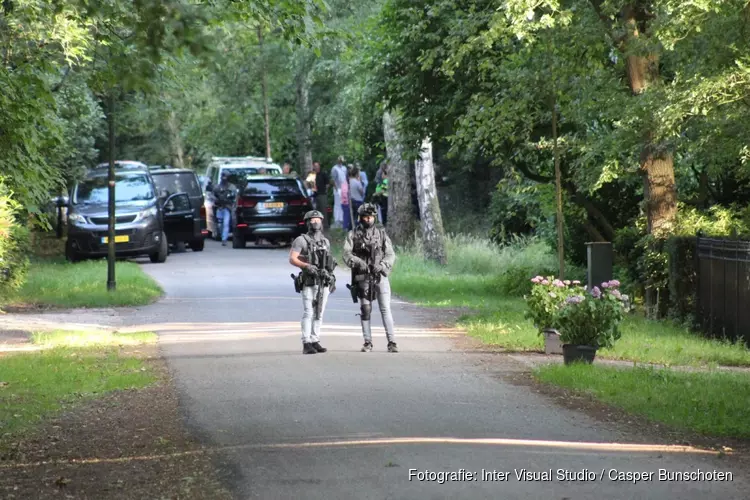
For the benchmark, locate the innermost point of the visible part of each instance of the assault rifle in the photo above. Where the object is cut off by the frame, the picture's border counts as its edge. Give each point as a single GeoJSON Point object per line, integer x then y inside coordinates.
{"type": "Point", "coordinates": [371, 277]}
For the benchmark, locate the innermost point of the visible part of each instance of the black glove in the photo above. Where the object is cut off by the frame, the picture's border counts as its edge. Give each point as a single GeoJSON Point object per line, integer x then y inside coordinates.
{"type": "Point", "coordinates": [378, 269]}
{"type": "Point", "coordinates": [358, 264]}
{"type": "Point", "coordinates": [312, 270]}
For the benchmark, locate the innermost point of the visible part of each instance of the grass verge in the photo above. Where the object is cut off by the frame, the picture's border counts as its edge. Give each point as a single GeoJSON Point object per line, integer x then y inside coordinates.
{"type": "Point", "coordinates": [492, 281]}
{"type": "Point", "coordinates": [57, 283]}
{"type": "Point", "coordinates": [73, 367]}
{"type": "Point", "coordinates": [713, 404]}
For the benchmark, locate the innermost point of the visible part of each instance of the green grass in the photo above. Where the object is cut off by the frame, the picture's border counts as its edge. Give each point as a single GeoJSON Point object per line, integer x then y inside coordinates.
{"type": "Point", "coordinates": [75, 366]}
{"type": "Point", "coordinates": [491, 281]}
{"type": "Point", "coordinates": [713, 403]}
{"type": "Point", "coordinates": [55, 282]}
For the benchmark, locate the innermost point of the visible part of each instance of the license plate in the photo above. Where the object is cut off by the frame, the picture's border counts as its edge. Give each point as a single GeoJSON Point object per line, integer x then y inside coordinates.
{"type": "Point", "coordinates": [123, 238]}
{"type": "Point", "coordinates": [275, 204]}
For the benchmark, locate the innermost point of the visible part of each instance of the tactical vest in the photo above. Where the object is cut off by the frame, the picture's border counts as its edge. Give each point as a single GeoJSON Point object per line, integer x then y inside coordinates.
{"type": "Point", "coordinates": [317, 253]}
{"type": "Point", "coordinates": [372, 249]}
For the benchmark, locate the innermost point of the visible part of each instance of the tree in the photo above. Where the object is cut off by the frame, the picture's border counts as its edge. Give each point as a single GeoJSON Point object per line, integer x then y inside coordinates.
{"type": "Point", "coordinates": [401, 222]}
{"type": "Point", "coordinates": [433, 234]}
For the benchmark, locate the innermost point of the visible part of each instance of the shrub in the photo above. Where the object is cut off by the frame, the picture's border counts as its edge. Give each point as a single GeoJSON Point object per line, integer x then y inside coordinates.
{"type": "Point", "coordinates": [593, 318]}
{"type": "Point", "coordinates": [547, 296]}
{"type": "Point", "coordinates": [14, 245]}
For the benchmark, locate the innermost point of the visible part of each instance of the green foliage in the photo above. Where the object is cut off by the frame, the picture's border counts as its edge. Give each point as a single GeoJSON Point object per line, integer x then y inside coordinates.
{"type": "Point", "coordinates": [548, 295]}
{"type": "Point", "coordinates": [593, 318]}
{"type": "Point", "coordinates": [14, 245]}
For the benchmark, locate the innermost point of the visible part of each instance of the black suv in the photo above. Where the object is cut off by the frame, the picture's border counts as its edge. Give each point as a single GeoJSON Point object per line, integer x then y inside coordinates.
{"type": "Point", "coordinates": [269, 207]}
{"type": "Point", "coordinates": [141, 216]}
{"type": "Point", "coordinates": [169, 181]}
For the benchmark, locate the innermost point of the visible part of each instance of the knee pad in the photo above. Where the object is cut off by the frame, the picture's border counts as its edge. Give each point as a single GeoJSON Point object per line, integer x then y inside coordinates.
{"type": "Point", "coordinates": [365, 309]}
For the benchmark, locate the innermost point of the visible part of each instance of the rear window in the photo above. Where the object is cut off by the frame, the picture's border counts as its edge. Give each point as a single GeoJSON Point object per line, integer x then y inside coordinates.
{"type": "Point", "coordinates": [268, 187]}
{"type": "Point", "coordinates": [178, 182]}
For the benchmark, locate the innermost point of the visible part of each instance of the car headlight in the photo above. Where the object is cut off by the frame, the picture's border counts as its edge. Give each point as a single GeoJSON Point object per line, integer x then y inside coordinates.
{"type": "Point", "coordinates": [146, 214]}
{"type": "Point", "coordinates": [76, 219]}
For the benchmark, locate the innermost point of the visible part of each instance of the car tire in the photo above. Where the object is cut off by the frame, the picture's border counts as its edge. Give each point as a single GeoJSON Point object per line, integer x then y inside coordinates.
{"type": "Point", "coordinates": [197, 245]}
{"type": "Point", "coordinates": [70, 254]}
{"type": "Point", "coordinates": [238, 241]}
{"type": "Point", "coordinates": [160, 256]}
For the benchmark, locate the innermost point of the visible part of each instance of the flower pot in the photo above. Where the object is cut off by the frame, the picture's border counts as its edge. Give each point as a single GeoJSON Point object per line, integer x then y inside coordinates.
{"type": "Point", "coordinates": [576, 353]}
{"type": "Point", "coordinates": [552, 344]}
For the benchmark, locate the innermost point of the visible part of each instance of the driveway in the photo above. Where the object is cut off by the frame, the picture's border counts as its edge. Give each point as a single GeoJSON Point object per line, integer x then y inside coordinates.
{"type": "Point", "coordinates": [345, 424]}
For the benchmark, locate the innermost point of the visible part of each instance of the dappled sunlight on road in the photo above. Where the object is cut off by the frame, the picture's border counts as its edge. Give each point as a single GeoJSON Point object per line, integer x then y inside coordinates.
{"type": "Point", "coordinates": [520, 445]}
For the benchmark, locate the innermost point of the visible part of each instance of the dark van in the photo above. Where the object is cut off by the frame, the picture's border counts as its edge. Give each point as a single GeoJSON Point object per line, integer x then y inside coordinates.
{"type": "Point", "coordinates": [169, 181]}
{"type": "Point", "coordinates": [141, 216]}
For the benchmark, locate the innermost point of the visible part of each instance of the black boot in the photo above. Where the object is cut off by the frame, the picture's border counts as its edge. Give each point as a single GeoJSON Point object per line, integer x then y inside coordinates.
{"type": "Point", "coordinates": [318, 347]}
{"type": "Point", "coordinates": [308, 349]}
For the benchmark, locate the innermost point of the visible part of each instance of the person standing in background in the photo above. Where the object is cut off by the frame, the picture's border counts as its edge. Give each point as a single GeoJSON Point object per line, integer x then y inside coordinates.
{"type": "Point", "coordinates": [338, 175]}
{"type": "Point", "coordinates": [347, 222]}
{"type": "Point", "coordinates": [321, 193]}
{"type": "Point", "coordinates": [356, 190]}
{"type": "Point", "coordinates": [362, 178]}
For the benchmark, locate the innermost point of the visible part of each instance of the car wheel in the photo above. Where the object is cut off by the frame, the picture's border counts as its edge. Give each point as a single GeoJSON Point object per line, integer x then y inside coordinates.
{"type": "Point", "coordinates": [197, 245]}
{"type": "Point", "coordinates": [70, 254]}
{"type": "Point", "coordinates": [160, 256]}
{"type": "Point", "coordinates": [238, 241]}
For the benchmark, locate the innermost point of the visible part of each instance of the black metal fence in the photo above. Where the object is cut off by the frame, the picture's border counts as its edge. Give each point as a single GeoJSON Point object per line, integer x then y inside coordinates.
{"type": "Point", "coordinates": [723, 271]}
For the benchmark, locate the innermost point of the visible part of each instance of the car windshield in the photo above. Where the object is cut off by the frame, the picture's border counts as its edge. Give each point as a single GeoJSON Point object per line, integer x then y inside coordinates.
{"type": "Point", "coordinates": [238, 175]}
{"type": "Point", "coordinates": [177, 182]}
{"type": "Point", "coordinates": [127, 188]}
{"type": "Point", "coordinates": [271, 187]}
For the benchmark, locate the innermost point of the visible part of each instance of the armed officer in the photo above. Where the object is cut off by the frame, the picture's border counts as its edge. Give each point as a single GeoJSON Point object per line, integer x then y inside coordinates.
{"type": "Point", "coordinates": [311, 252]}
{"type": "Point", "coordinates": [368, 251]}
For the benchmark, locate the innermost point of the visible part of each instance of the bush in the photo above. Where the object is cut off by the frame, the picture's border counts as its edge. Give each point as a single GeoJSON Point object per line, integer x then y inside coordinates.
{"type": "Point", "coordinates": [593, 318]}
{"type": "Point", "coordinates": [547, 296]}
{"type": "Point", "coordinates": [14, 245]}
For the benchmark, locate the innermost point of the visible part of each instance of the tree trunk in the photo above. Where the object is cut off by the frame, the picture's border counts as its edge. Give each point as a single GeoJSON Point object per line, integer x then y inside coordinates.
{"type": "Point", "coordinates": [303, 123]}
{"type": "Point", "coordinates": [264, 92]}
{"type": "Point", "coordinates": [659, 191]}
{"type": "Point", "coordinates": [176, 141]}
{"type": "Point", "coordinates": [657, 164]}
{"type": "Point", "coordinates": [433, 234]}
{"type": "Point", "coordinates": [401, 221]}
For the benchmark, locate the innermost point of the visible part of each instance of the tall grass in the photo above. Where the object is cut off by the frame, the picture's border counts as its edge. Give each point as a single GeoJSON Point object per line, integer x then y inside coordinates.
{"type": "Point", "coordinates": [492, 280]}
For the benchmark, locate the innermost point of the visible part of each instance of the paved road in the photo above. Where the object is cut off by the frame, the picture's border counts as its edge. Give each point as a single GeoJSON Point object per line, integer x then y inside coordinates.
{"type": "Point", "coordinates": [323, 426]}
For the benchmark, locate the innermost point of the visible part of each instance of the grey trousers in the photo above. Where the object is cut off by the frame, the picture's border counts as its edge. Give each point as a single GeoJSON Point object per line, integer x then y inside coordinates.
{"type": "Point", "coordinates": [383, 296]}
{"type": "Point", "coordinates": [311, 327]}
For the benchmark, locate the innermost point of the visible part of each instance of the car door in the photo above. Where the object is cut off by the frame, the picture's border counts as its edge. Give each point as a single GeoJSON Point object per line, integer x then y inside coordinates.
{"type": "Point", "coordinates": [178, 218]}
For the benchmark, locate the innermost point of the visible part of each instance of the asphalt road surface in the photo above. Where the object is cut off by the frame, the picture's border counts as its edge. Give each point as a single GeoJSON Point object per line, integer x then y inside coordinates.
{"type": "Point", "coordinates": [351, 425]}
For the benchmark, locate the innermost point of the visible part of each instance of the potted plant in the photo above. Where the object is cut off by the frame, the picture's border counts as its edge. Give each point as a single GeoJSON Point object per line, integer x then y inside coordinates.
{"type": "Point", "coordinates": [547, 296]}
{"type": "Point", "coordinates": [590, 321]}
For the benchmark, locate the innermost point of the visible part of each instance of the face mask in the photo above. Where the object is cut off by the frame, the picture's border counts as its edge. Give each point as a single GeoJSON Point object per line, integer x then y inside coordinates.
{"type": "Point", "coordinates": [368, 223]}
{"type": "Point", "coordinates": [315, 226]}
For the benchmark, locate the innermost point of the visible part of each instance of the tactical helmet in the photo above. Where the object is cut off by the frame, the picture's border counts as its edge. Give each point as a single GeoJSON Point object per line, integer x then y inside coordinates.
{"type": "Point", "coordinates": [367, 209]}
{"type": "Point", "coordinates": [313, 214]}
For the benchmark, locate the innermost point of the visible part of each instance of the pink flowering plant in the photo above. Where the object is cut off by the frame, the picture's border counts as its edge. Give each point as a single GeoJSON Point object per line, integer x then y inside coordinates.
{"type": "Point", "coordinates": [548, 296]}
{"type": "Point", "coordinates": [593, 318]}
